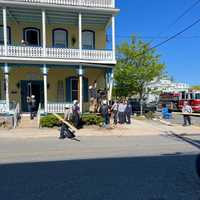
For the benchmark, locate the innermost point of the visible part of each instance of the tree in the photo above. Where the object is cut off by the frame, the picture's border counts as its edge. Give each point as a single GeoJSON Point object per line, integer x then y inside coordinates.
{"type": "Point", "coordinates": [137, 66]}
{"type": "Point", "coordinates": [196, 87]}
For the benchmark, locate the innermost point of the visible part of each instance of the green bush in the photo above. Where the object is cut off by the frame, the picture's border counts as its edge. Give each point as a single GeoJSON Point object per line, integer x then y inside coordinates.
{"type": "Point", "coordinates": [92, 119]}
{"type": "Point", "coordinates": [150, 115]}
{"type": "Point", "coordinates": [51, 121]}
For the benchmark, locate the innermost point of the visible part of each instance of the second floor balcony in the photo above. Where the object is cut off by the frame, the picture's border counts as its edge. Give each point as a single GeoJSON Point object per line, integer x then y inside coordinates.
{"type": "Point", "coordinates": [74, 3]}
{"type": "Point", "coordinates": [52, 36]}
{"type": "Point", "coordinates": [58, 55]}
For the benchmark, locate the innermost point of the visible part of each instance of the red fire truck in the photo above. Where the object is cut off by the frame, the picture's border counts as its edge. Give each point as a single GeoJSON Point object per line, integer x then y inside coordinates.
{"type": "Point", "coordinates": [170, 99]}
{"type": "Point", "coordinates": [175, 101]}
{"type": "Point", "coordinates": [192, 97]}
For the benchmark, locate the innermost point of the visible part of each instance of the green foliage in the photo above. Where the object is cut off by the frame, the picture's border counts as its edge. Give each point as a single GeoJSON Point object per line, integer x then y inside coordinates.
{"type": "Point", "coordinates": [196, 87]}
{"type": "Point", "coordinates": [92, 119]}
{"type": "Point", "coordinates": [150, 115]}
{"type": "Point", "coordinates": [51, 121]}
{"type": "Point", "coordinates": [137, 65]}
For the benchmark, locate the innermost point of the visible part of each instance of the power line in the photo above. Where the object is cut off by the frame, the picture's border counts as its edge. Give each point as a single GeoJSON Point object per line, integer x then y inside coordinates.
{"type": "Point", "coordinates": [177, 34]}
{"type": "Point", "coordinates": [155, 37]}
{"type": "Point", "coordinates": [171, 38]}
{"type": "Point", "coordinates": [185, 12]}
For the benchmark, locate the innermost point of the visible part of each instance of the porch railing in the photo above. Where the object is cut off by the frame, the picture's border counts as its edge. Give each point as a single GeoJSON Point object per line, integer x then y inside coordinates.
{"type": "Point", "coordinates": [85, 3]}
{"type": "Point", "coordinates": [56, 53]}
{"type": "Point", "coordinates": [3, 106]}
{"type": "Point", "coordinates": [57, 107]}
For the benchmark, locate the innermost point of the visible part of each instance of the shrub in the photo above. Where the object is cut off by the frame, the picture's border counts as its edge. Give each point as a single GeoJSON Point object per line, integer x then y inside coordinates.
{"type": "Point", "coordinates": [92, 119]}
{"type": "Point", "coordinates": [150, 115]}
{"type": "Point", "coordinates": [51, 121]}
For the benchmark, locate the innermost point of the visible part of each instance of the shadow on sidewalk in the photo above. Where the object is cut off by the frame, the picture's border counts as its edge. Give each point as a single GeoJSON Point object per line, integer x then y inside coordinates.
{"type": "Point", "coordinates": [184, 137]}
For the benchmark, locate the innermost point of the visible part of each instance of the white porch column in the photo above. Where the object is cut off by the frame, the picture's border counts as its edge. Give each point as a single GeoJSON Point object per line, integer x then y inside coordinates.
{"type": "Point", "coordinates": [6, 73]}
{"type": "Point", "coordinates": [111, 77]}
{"type": "Point", "coordinates": [5, 31]}
{"type": "Point", "coordinates": [113, 37]}
{"type": "Point", "coordinates": [44, 32]}
{"type": "Point", "coordinates": [80, 33]}
{"type": "Point", "coordinates": [45, 73]}
{"type": "Point", "coordinates": [81, 87]}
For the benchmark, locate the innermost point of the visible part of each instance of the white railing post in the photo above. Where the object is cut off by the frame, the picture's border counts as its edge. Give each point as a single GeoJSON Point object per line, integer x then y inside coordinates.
{"type": "Point", "coordinates": [111, 77]}
{"type": "Point", "coordinates": [80, 34]}
{"type": "Point", "coordinates": [5, 31]}
{"type": "Point", "coordinates": [80, 73]}
{"type": "Point", "coordinates": [113, 37]}
{"type": "Point", "coordinates": [6, 73]}
{"type": "Point", "coordinates": [44, 32]}
{"type": "Point", "coordinates": [45, 73]}
{"type": "Point", "coordinates": [113, 3]}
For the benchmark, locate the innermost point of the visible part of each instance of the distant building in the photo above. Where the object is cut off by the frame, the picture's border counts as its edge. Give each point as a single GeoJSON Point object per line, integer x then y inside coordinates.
{"type": "Point", "coordinates": [164, 85]}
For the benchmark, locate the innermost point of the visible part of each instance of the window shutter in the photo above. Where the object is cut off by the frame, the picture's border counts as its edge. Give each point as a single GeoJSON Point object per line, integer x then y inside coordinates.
{"type": "Point", "coordinates": [68, 90]}
{"type": "Point", "coordinates": [85, 90]}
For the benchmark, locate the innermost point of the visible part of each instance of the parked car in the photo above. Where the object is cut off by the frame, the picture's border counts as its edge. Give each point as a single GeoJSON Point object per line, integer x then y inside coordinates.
{"type": "Point", "coordinates": [146, 107]}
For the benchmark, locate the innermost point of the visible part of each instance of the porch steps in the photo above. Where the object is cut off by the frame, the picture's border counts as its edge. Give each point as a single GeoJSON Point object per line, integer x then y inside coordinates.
{"type": "Point", "coordinates": [26, 122]}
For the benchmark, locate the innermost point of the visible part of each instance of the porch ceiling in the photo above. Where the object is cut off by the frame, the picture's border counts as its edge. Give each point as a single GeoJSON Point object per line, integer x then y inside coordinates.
{"type": "Point", "coordinates": [24, 15]}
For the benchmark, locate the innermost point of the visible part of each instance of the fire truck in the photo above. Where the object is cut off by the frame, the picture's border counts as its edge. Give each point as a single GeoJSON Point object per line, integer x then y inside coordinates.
{"type": "Point", "coordinates": [175, 101]}
{"type": "Point", "coordinates": [192, 97]}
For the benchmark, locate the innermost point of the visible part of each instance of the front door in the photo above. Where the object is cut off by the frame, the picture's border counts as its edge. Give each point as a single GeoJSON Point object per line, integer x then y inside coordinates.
{"type": "Point", "coordinates": [29, 88]}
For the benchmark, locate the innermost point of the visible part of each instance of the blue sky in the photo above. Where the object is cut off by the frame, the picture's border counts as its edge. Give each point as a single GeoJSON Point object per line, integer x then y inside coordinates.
{"type": "Point", "coordinates": [146, 18]}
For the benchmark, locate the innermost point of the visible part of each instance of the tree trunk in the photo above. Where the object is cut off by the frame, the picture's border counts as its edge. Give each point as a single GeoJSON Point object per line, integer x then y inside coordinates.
{"type": "Point", "coordinates": [141, 105]}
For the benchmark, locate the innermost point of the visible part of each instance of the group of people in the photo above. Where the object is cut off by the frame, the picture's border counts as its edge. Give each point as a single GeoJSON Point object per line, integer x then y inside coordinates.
{"type": "Point", "coordinates": [96, 96]}
{"type": "Point", "coordinates": [120, 111]}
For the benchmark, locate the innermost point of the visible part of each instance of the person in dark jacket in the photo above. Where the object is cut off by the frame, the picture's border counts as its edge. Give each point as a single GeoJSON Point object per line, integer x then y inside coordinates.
{"type": "Point", "coordinates": [31, 106]}
{"type": "Point", "coordinates": [128, 113]}
{"type": "Point", "coordinates": [104, 110]}
{"type": "Point", "coordinates": [76, 114]}
{"type": "Point", "coordinates": [65, 131]}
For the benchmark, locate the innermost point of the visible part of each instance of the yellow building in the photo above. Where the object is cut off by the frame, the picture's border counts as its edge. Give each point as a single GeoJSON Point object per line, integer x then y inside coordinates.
{"type": "Point", "coordinates": [52, 48]}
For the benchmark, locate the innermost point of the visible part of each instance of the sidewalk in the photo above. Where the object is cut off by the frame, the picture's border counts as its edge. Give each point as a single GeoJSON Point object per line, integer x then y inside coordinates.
{"type": "Point", "coordinates": [138, 128]}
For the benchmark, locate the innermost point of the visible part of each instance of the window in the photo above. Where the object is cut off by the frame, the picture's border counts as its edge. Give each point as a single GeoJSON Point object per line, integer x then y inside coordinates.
{"type": "Point", "coordinates": [32, 36]}
{"type": "Point", "coordinates": [88, 39]}
{"type": "Point", "coordinates": [60, 38]}
{"type": "Point", "coordinates": [74, 89]}
{"type": "Point", "coordinates": [8, 35]}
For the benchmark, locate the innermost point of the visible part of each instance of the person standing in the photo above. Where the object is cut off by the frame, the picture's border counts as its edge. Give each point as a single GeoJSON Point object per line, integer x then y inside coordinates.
{"type": "Point", "coordinates": [104, 110]}
{"type": "Point", "coordinates": [128, 113]}
{"type": "Point", "coordinates": [31, 106]}
{"type": "Point", "coordinates": [76, 114]}
{"type": "Point", "coordinates": [187, 109]}
{"type": "Point", "coordinates": [121, 110]}
{"type": "Point", "coordinates": [114, 109]}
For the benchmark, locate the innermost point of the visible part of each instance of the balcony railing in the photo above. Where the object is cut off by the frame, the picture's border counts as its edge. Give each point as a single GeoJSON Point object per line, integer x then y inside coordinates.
{"type": "Point", "coordinates": [85, 3]}
{"type": "Point", "coordinates": [57, 107]}
{"type": "Point", "coordinates": [56, 53]}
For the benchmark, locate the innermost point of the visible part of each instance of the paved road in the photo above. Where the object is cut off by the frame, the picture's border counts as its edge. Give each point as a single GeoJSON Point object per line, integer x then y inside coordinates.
{"type": "Point", "coordinates": [98, 168]}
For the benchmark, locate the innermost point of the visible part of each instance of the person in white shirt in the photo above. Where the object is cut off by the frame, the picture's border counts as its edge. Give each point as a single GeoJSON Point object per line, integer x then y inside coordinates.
{"type": "Point", "coordinates": [187, 109]}
{"type": "Point", "coordinates": [114, 109]}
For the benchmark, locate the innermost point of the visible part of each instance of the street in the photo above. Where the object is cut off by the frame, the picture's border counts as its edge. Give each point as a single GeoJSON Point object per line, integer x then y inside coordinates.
{"type": "Point", "coordinates": [159, 167]}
